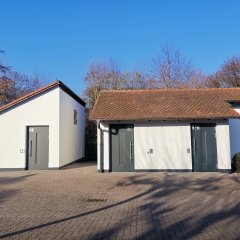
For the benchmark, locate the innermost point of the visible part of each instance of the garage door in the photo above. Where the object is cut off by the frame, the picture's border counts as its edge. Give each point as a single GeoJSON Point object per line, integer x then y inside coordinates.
{"type": "Point", "coordinates": [121, 148]}
{"type": "Point", "coordinates": [204, 149]}
{"type": "Point", "coordinates": [38, 147]}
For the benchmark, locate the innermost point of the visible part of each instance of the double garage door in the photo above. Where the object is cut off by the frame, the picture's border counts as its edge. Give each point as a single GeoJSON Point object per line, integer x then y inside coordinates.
{"type": "Point", "coordinates": [204, 150]}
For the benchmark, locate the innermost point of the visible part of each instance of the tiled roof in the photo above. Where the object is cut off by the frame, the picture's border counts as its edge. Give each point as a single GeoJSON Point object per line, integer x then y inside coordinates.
{"type": "Point", "coordinates": [166, 104]}
{"type": "Point", "coordinates": [42, 90]}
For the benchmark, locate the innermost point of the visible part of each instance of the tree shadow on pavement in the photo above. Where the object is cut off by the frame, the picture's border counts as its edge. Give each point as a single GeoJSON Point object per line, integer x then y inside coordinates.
{"type": "Point", "coordinates": [198, 210]}
{"type": "Point", "coordinates": [170, 206]}
{"type": "Point", "coordinates": [11, 180]}
{"type": "Point", "coordinates": [5, 191]}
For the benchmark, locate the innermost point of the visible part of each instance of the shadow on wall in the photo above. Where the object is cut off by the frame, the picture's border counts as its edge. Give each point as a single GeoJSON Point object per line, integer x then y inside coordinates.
{"type": "Point", "coordinates": [170, 207]}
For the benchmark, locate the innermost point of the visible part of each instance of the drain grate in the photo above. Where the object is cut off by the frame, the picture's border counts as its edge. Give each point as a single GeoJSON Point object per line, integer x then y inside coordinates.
{"type": "Point", "coordinates": [96, 200]}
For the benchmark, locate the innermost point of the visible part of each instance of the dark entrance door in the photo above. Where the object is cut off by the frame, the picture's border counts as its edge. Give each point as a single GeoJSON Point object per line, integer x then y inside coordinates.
{"type": "Point", "coordinates": [38, 147]}
{"type": "Point", "coordinates": [122, 148]}
{"type": "Point", "coordinates": [204, 149]}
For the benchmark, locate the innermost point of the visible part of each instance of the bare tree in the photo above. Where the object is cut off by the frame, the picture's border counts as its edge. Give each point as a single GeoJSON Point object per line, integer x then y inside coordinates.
{"type": "Point", "coordinates": [214, 81]}
{"type": "Point", "coordinates": [139, 80]}
{"type": "Point", "coordinates": [5, 82]}
{"type": "Point", "coordinates": [172, 70]}
{"type": "Point", "coordinates": [102, 75]}
{"type": "Point", "coordinates": [227, 76]}
{"type": "Point", "coordinates": [23, 84]}
{"type": "Point", "coordinates": [197, 80]}
{"type": "Point", "coordinates": [5, 85]}
{"type": "Point", "coordinates": [3, 68]}
{"type": "Point", "coordinates": [14, 85]}
{"type": "Point", "coordinates": [230, 72]}
{"type": "Point", "coordinates": [107, 75]}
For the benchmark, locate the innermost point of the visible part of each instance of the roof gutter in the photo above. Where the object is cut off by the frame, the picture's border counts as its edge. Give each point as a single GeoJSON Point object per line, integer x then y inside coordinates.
{"type": "Point", "coordinates": [173, 119]}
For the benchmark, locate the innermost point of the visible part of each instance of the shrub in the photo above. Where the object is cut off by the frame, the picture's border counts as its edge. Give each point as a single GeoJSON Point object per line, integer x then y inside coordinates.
{"type": "Point", "coordinates": [236, 163]}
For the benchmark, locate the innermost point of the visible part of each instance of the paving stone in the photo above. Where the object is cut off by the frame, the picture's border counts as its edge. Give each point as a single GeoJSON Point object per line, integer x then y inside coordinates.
{"type": "Point", "coordinates": [80, 203]}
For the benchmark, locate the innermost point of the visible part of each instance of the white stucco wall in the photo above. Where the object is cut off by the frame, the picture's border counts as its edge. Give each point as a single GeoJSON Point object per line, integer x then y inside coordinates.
{"type": "Point", "coordinates": [72, 137]}
{"type": "Point", "coordinates": [237, 108]}
{"type": "Point", "coordinates": [223, 145]}
{"type": "Point", "coordinates": [234, 128]}
{"type": "Point", "coordinates": [169, 141]}
{"type": "Point", "coordinates": [42, 110]}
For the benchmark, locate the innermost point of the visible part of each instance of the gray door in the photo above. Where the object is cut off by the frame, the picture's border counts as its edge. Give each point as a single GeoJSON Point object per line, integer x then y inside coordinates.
{"type": "Point", "coordinates": [121, 148]}
{"type": "Point", "coordinates": [204, 149]}
{"type": "Point", "coordinates": [38, 147]}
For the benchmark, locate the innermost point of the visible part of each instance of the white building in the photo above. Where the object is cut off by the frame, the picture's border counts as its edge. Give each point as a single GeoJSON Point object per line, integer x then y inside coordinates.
{"type": "Point", "coordinates": [42, 130]}
{"type": "Point", "coordinates": [167, 130]}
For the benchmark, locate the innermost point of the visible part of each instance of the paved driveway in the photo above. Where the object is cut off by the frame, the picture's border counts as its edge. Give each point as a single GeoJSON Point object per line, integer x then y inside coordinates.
{"type": "Point", "coordinates": [79, 203]}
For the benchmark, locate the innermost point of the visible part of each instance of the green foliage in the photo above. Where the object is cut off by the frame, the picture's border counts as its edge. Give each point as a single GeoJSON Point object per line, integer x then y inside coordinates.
{"type": "Point", "coordinates": [236, 163]}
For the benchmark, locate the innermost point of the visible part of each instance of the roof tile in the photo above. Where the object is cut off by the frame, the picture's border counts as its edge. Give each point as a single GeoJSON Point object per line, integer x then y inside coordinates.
{"type": "Point", "coordinates": [165, 104]}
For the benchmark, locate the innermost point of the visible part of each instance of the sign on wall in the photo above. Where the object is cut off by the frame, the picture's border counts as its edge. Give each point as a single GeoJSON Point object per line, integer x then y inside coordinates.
{"type": "Point", "coordinates": [75, 116]}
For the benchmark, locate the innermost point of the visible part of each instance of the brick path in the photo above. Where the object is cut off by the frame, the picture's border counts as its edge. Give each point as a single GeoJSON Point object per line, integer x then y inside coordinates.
{"type": "Point", "coordinates": [79, 203]}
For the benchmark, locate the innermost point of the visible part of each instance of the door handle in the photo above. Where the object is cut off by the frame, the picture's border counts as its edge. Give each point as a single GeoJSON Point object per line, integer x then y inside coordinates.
{"type": "Point", "coordinates": [131, 151]}
{"type": "Point", "coordinates": [194, 146]}
{"type": "Point", "coordinates": [30, 149]}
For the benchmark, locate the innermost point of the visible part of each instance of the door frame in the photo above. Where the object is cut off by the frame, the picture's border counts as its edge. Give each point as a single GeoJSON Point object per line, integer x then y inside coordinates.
{"type": "Point", "coordinates": [213, 124]}
{"type": "Point", "coordinates": [110, 143]}
{"type": "Point", "coordinates": [27, 143]}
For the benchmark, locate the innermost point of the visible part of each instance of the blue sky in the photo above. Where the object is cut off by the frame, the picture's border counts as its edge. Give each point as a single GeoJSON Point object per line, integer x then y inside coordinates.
{"type": "Point", "coordinates": [60, 38]}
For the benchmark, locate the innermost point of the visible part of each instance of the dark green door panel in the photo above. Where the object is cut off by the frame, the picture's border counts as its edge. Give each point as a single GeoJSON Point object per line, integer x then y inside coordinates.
{"type": "Point", "coordinates": [204, 149]}
{"type": "Point", "coordinates": [121, 148]}
{"type": "Point", "coordinates": [38, 148]}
